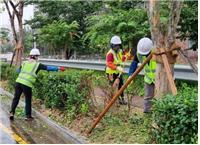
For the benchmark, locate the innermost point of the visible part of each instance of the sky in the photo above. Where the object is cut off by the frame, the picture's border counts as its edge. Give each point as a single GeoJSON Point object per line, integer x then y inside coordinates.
{"type": "Point", "coordinates": [4, 17]}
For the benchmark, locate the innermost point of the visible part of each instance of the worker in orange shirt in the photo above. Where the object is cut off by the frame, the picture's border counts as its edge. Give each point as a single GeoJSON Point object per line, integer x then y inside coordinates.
{"type": "Point", "coordinates": [114, 64]}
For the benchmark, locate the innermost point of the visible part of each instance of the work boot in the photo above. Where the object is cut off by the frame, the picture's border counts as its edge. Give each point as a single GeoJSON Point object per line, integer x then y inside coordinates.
{"type": "Point", "coordinates": [11, 116]}
{"type": "Point", "coordinates": [124, 102]}
{"type": "Point", "coordinates": [120, 101]}
{"type": "Point", "coordinates": [29, 118]}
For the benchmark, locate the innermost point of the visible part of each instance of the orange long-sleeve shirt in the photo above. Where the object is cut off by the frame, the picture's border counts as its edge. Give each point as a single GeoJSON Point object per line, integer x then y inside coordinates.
{"type": "Point", "coordinates": [110, 61]}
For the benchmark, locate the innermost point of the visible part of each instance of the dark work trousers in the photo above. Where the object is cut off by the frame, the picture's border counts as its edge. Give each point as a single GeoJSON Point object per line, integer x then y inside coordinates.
{"type": "Point", "coordinates": [19, 89]}
{"type": "Point", "coordinates": [121, 82]}
{"type": "Point", "coordinates": [149, 93]}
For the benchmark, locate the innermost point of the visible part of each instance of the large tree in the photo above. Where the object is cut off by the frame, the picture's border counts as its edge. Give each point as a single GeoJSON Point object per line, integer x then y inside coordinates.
{"type": "Point", "coordinates": [68, 11]}
{"type": "Point", "coordinates": [59, 36]}
{"type": "Point", "coordinates": [164, 17]}
{"type": "Point", "coordinates": [15, 9]}
{"type": "Point", "coordinates": [126, 19]}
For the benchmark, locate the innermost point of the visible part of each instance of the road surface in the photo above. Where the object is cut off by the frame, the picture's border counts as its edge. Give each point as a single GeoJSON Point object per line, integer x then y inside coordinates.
{"type": "Point", "coordinates": [7, 134]}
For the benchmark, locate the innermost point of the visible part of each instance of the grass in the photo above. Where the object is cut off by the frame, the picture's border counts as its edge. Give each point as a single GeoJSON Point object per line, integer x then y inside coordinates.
{"type": "Point", "coordinates": [120, 128]}
{"type": "Point", "coordinates": [19, 113]}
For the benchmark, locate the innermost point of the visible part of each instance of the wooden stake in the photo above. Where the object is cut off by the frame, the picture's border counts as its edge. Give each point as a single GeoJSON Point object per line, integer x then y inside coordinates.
{"type": "Point", "coordinates": [114, 98]}
{"type": "Point", "coordinates": [169, 73]}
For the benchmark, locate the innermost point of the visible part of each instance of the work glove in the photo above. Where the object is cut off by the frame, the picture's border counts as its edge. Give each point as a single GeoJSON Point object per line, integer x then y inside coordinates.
{"type": "Point", "coordinates": [62, 68]}
{"type": "Point", "coordinates": [119, 68]}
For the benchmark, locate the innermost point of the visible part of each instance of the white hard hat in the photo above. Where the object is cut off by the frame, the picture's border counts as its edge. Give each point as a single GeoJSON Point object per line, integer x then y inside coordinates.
{"type": "Point", "coordinates": [115, 40]}
{"type": "Point", "coordinates": [144, 46]}
{"type": "Point", "coordinates": [34, 51]}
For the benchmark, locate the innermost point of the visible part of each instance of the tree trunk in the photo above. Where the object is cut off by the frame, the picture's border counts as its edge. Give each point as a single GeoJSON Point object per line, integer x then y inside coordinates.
{"type": "Point", "coordinates": [162, 39]}
{"type": "Point", "coordinates": [18, 40]}
{"type": "Point", "coordinates": [66, 52]}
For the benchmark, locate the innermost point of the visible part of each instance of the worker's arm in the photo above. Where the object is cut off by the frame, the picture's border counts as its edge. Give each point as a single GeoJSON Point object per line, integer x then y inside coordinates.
{"type": "Point", "coordinates": [133, 66]}
{"type": "Point", "coordinates": [110, 61]}
{"type": "Point", "coordinates": [49, 68]}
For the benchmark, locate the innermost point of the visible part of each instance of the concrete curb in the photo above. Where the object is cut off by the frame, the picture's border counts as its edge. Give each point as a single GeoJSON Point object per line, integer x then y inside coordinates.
{"type": "Point", "coordinates": [63, 131]}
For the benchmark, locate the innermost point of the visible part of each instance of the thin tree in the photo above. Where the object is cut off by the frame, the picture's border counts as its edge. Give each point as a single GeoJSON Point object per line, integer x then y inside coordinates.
{"type": "Point", "coordinates": [15, 9]}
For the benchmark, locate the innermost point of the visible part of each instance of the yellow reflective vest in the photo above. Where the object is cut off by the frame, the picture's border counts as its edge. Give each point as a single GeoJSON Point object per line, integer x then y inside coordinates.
{"type": "Point", "coordinates": [27, 75]}
{"type": "Point", "coordinates": [149, 69]}
{"type": "Point", "coordinates": [117, 61]}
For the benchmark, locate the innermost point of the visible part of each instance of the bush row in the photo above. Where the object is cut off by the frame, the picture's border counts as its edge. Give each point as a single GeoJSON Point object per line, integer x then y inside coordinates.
{"type": "Point", "coordinates": [175, 118]}
{"type": "Point", "coordinates": [69, 90]}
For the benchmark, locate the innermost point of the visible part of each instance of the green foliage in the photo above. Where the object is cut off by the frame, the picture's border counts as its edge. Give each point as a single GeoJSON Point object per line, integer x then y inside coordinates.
{"type": "Point", "coordinates": [99, 20]}
{"type": "Point", "coordinates": [67, 11]}
{"type": "Point", "coordinates": [129, 25]}
{"type": "Point", "coordinates": [8, 73]}
{"type": "Point", "coordinates": [175, 118]}
{"type": "Point", "coordinates": [84, 108]}
{"type": "Point", "coordinates": [69, 90]}
{"type": "Point", "coordinates": [28, 40]}
{"type": "Point", "coordinates": [4, 37]}
{"type": "Point", "coordinates": [4, 32]}
{"type": "Point", "coordinates": [59, 35]}
{"type": "Point", "coordinates": [188, 22]}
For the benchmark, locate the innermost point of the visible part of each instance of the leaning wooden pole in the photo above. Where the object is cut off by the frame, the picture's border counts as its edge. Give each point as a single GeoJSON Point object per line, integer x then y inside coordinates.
{"type": "Point", "coordinates": [169, 72]}
{"type": "Point", "coordinates": [114, 98]}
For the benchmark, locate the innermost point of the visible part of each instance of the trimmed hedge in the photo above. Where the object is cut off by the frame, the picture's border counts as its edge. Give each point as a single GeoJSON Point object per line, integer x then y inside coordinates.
{"type": "Point", "coordinates": [69, 90]}
{"type": "Point", "coordinates": [175, 118]}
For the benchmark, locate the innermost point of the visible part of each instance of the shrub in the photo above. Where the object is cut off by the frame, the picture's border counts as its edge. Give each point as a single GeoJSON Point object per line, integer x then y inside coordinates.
{"type": "Point", "coordinates": [10, 74]}
{"type": "Point", "coordinates": [175, 118]}
{"type": "Point", "coordinates": [69, 90]}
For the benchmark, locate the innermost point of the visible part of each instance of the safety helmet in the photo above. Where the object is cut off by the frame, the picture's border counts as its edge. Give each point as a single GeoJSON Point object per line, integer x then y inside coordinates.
{"type": "Point", "coordinates": [144, 46]}
{"type": "Point", "coordinates": [115, 40]}
{"type": "Point", "coordinates": [34, 51]}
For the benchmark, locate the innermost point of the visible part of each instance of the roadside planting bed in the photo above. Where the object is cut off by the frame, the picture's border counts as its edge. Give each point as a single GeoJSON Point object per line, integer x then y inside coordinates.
{"type": "Point", "coordinates": [68, 98]}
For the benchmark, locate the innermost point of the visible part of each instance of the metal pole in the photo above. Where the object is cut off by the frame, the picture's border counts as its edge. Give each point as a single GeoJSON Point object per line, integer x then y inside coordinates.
{"type": "Point", "coordinates": [114, 98]}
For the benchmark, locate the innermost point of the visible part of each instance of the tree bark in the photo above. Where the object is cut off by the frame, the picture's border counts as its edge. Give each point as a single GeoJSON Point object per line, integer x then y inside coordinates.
{"type": "Point", "coordinates": [18, 40]}
{"type": "Point", "coordinates": [163, 40]}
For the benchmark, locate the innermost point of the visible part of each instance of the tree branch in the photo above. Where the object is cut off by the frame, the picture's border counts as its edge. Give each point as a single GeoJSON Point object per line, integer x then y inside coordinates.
{"type": "Point", "coordinates": [14, 9]}
{"type": "Point", "coordinates": [12, 17]}
{"type": "Point", "coordinates": [8, 10]}
{"type": "Point", "coordinates": [173, 21]}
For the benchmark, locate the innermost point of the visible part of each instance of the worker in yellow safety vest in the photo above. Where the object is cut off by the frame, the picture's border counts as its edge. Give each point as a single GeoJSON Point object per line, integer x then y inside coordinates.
{"type": "Point", "coordinates": [114, 63]}
{"type": "Point", "coordinates": [26, 79]}
{"type": "Point", "coordinates": [144, 47]}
